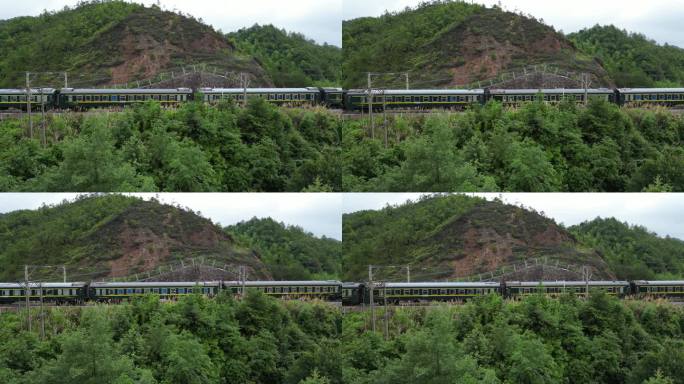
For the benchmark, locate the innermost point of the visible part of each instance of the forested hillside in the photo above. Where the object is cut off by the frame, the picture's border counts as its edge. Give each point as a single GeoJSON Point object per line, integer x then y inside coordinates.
{"type": "Point", "coordinates": [446, 43]}
{"type": "Point", "coordinates": [195, 340]}
{"type": "Point", "coordinates": [538, 340]}
{"type": "Point", "coordinates": [458, 236]}
{"type": "Point", "coordinates": [106, 42]}
{"type": "Point", "coordinates": [290, 252]}
{"type": "Point", "coordinates": [114, 236]}
{"type": "Point", "coordinates": [633, 251]}
{"type": "Point", "coordinates": [632, 59]}
{"type": "Point", "coordinates": [193, 148]}
{"type": "Point", "coordinates": [534, 148]}
{"type": "Point", "coordinates": [117, 236]}
{"type": "Point", "coordinates": [290, 58]}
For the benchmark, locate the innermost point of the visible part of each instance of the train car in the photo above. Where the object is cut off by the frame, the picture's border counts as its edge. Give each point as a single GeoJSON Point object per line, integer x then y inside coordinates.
{"type": "Point", "coordinates": [430, 291]}
{"type": "Point", "coordinates": [352, 294]}
{"type": "Point", "coordinates": [518, 289]}
{"type": "Point", "coordinates": [650, 96]}
{"type": "Point", "coordinates": [324, 290]}
{"type": "Point", "coordinates": [280, 96]}
{"type": "Point", "coordinates": [658, 289]}
{"type": "Point", "coordinates": [102, 291]}
{"type": "Point", "coordinates": [358, 100]}
{"type": "Point", "coordinates": [58, 293]}
{"type": "Point", "coordinates": [79, 99]}
{"type": "Point", "coordinates": [16, 99]}
{"type": "Point", "coordinates": [519, 96]}
{"type": "Point", "coordinates": [332, 97]}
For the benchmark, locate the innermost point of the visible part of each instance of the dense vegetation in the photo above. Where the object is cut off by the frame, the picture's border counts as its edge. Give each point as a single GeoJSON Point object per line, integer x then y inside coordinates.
{"type": "Point", "coordinates": [291, 59]}
{"type": "Point", "coordinates": [290, 252]}
{"type": "Point", "coordinates": [193, 148]}
{"type": "Point", "coordinates": [538, 340]}
{"type": "Point", "coordinates": [631, 59]}
{"type": "Point", "coordinates": [196, 340]}
{"type": "Point", "coordinates": [536, 148]}
{"type": "Point", "coordinates": [633, 251]}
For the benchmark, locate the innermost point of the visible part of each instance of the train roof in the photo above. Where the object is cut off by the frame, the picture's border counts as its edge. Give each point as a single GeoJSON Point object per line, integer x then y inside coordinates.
{"type": "Point", "coordinates": [293, 282]}
{"type": "Point", "coordinates": [259, 90]}
{"type": "Point", "coordinates": [153, 284]}
{"type": "Point", "coordinates": [23, 91]}
{"type": "Point", "coordinates": [659, 282]}
{"type": "Point", "coordinates": [44, 285]}
{"type": "Point", "coordinates": [121, 91]}
{"type": "Point", "coordinates": [479, 284]}
{"type": "Point", "coordinates": [651, 90]}
{"type": "Point", "coordinates": [562, 283]}
{"type": "Point", "coordinates": [570, 91]}
{"type": "Point", "coordinates": [399, 92]}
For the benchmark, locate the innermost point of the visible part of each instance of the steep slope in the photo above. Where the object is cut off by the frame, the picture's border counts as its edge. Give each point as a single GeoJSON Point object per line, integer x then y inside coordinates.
{"type": "Point", "coordinates": [114, 42]}
{"type": "Point", "coordinates": [114, 236]}
{"type": "Point", "coordinates": [291, 59]}
{"type": "Point", "coordinates": [457, 44]}
{"type": "Point", "coordinates": [447, 237]}
{"type": "Point", "coordinates": [631, 59]}
{"type": "Point", "coordinates": [289, 251]}
{"type": "Point", "coordinates": [633, 252]}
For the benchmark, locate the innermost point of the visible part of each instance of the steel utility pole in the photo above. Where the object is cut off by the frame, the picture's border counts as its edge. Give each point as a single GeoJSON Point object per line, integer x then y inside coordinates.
{"type": "Point", "coordinates": [28, 291]}
{"type": "Point", "coordinates": [28, 102]}
{"type": "Point", "coordinates": [370, 105]}
{"type": "Point", "coordinates": [384, 295]}
{"type": "Point", "coordinates": [372, 304]}
{"type": "Point", "coordinates": [407, 80]}
{"type": "Point", "coordinates": [66, 80]}
{"type": "Point", "coordinates": [42, 313]}
{"type": "Point", "coordinates": [43, 139]}
{"type": "Point", "coordinates": [384, 116]}
{"type": "Point", "coordinates": [408, 273]}
{"type": "Point", "coordinates": [64, 273]}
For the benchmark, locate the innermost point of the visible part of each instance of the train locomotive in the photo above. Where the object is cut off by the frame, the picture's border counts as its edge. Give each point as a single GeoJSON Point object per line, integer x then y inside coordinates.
{"type": "Point", "coordinates": [354, 100]}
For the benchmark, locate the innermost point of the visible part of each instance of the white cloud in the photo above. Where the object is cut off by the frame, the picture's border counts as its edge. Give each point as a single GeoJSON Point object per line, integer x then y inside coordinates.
{"type": "Point", "coordinates": [658, 20]}
{"type": "Point", "coordinates": [318, 213]}
{"type": "Point", "coordinates": [320, 20]}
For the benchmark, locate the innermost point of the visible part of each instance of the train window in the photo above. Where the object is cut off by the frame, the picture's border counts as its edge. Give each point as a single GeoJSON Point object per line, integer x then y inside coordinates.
{"type": "Point", "coordinates": [443, 98]}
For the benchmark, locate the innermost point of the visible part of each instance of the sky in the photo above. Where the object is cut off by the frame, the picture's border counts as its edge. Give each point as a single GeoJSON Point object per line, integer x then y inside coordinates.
{"type": "Point", "coordinates": [320, 20]}
{"type": "Point", "coordinates": [318, 213]}
{"type": "Point", "coordinates": [662, 213]}
{"type": "Point", "coordinates": [659, 20]}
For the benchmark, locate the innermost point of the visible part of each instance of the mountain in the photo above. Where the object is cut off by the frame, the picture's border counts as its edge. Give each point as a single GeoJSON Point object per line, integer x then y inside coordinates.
{"type": "Point", "coordinates": [289, 251]}
{"type": "Point", "coordinates": [447, 43]}
{"type": "Point", "coordinates": [631, 59]}
{"type": "Point", "coordinates": [457, 236]}
{"type": "Point", "coordinates": [633, 252]}
{"type": "Point", "coordinates": [115, 236]}
{"type": "Point", "coordinates": [291, 59]}
{"type": "Point", "coordinates": [113, 42]}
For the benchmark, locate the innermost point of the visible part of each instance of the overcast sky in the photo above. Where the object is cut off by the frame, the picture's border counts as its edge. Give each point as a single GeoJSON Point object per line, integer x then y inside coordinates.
{"type": "Point", "coordinates": [318, 213]}
{"type": "Point", "coordinates": [660, 213]}
{"type": "Point", "coordinates": [320, 20]}
{"type": "Point", "coordinates": [659, 20]}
